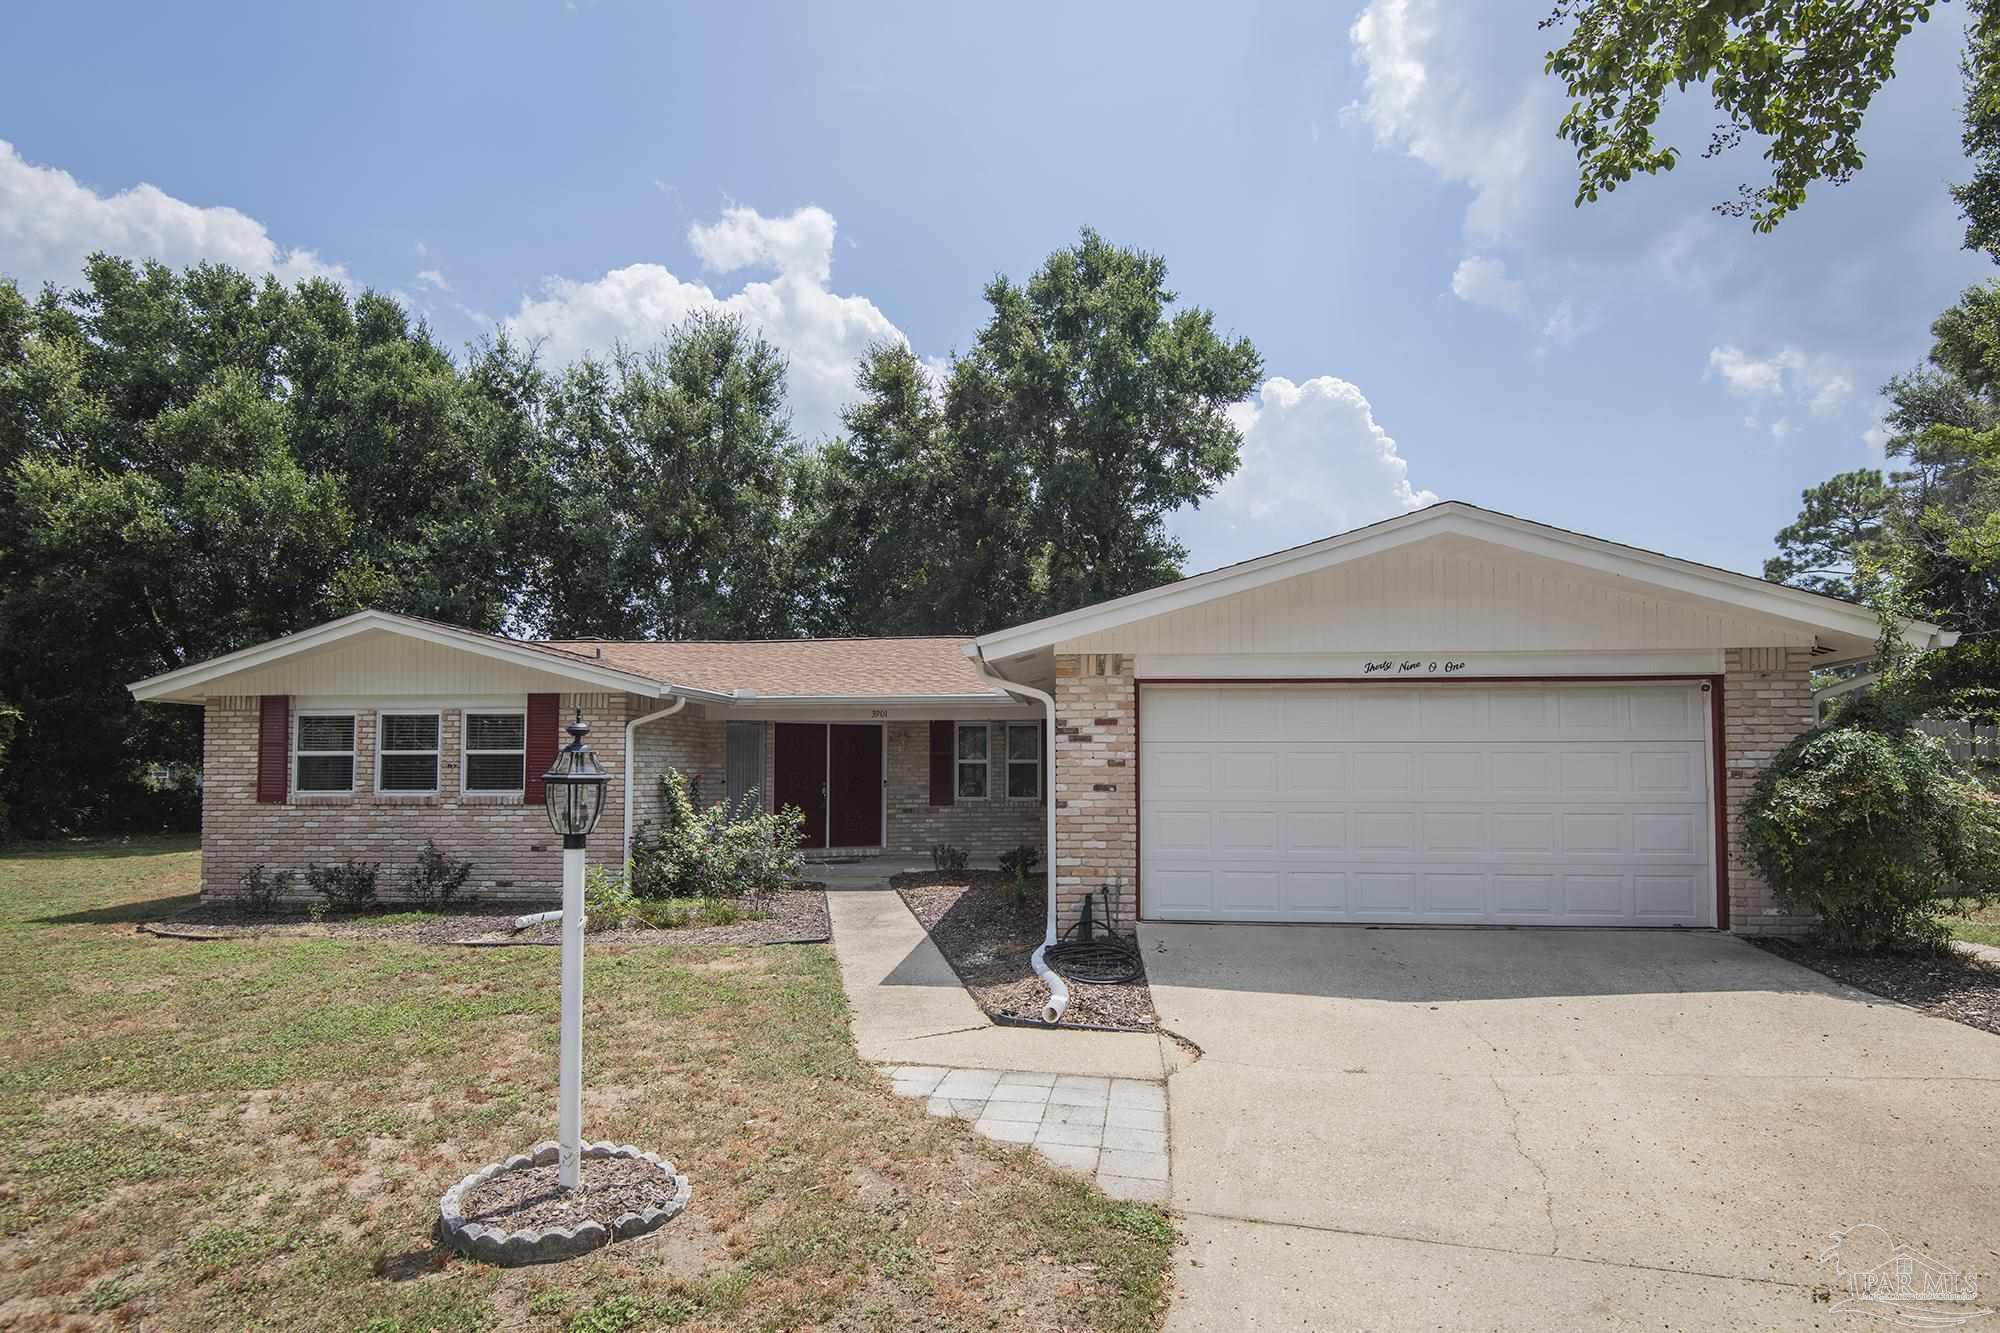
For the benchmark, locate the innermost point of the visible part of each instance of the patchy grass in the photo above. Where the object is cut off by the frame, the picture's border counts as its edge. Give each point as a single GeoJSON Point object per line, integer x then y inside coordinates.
{"type": "Point", "coordinates": [1979, 926]}
{"type": "Point", "coordinates": [253, 1133]}
{"type": "Point", "coordinates": [682, 913]}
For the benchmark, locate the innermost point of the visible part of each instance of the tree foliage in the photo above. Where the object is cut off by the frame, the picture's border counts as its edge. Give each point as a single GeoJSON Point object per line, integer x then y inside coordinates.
{"type": "Point", "coordinates": [1116, 406]}
{"type": "Point", "coordinates": [1799, 75]}
{"type": "Point", "coordinates": [1840, 523]}
{"type": "Point", "coordinates": [192, 462]}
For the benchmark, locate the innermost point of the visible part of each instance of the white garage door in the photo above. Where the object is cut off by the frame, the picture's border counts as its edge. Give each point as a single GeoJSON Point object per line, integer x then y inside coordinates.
{"type": "Point", "coordinates": [1574, 805]}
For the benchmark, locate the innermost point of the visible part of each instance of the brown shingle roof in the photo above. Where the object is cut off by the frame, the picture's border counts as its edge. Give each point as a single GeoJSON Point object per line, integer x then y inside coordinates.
{"type": "Point", "coordinates": [821, 668]}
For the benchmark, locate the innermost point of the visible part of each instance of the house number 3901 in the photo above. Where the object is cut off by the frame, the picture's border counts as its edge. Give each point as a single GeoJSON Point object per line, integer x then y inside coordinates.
{"type": "Point", "coordinates": [1412, 666]}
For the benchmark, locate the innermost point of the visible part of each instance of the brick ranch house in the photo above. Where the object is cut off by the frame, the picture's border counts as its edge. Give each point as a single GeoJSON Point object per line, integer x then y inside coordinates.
{"type": "Point", "coordinates": [1454, 716]}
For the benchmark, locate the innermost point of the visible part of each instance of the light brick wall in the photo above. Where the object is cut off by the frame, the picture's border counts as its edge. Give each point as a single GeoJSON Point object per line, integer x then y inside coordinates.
{"type": "Point", "coordinates": [515, 857]}
{"type": "Point", "coordinates": [1766, 704]}
{"type": "Point", "coordinates": [1097, 799]}
{"type": "Point", "coordinates": [691, 740]}
{"type": "Point", "coordinates": [985, 828]}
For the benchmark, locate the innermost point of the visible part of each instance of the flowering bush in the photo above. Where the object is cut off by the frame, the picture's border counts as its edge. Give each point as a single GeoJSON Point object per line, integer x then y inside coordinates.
{"type": "Point", "coordinates": [714, 851]}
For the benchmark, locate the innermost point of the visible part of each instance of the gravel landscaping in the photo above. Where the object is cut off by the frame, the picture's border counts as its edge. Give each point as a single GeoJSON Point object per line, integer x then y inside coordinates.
{"type": "Point", "coordinates": [532, 1198]}
{"type": "Point", "coordinates": [785, 916]}
{"type": "Point", "coordinates": [987, 937]}
{"type": "Point", "coordinates": [1963, 989]}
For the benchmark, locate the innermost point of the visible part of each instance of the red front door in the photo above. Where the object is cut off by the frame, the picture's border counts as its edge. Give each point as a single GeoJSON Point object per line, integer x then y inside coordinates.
{"type": "Point", "coordinates": [834, 774]}
{"type": "Point", "coordinates": [799, 756]}
{"type": "Point", "coordinates": [854, 785]}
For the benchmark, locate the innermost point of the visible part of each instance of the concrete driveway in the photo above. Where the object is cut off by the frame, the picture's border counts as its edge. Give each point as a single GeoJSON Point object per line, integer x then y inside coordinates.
{"type": "Point", "coordinates": [1545, 1129]}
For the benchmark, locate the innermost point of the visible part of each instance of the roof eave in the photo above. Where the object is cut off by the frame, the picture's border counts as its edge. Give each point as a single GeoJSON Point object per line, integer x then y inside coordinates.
{"type": "Point", "coordinates": [1667, 572]}
{"type": "Point", "coordinates": [181, 685]}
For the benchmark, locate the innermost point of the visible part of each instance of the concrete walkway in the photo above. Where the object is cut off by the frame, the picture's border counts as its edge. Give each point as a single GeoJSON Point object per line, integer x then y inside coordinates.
{"type": "Point", "coordinates": [908, 1007]}
{"type": "Point", "coordinates": [1111, 1129]}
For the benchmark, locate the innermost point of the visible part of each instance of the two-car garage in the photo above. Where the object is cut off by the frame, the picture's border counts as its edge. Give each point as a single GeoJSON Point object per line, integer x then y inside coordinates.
{"type": "Point", "coordinates": [1572, 803]}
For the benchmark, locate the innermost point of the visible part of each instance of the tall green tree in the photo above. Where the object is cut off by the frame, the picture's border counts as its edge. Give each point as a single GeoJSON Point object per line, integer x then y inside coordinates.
{"type": "Point", "coordinates": [1839, 524]}
{"type": "Point", "coordinates": [194, 461]}
{"type": "Point", "coordinates": [1114, 403]}
{"type": "Point", "coordinates": [1797, 75]}
{"type": "Point", "coordinates": [869, 510]}
{"type": "Point", "coordinates": [670, 472]}
{"type": "Point", "coordinates": [1935, 553]}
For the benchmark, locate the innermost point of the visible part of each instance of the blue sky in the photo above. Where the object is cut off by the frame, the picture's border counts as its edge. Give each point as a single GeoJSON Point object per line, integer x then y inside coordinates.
{"type": "Point", "coordinates": [1374, 194]}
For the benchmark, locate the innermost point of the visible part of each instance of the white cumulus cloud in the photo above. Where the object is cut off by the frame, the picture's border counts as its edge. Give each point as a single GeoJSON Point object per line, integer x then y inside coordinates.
{"type": "Point", "coordinates": [1787, 373]}
{"type": "Point", "coordinates": [1315, 462]}
{"type": "Point", "coordinates": [50, 222]}
{"type": "Point", "coordinates": [1427, 87]}
{"type": "Point", "coordinates": [1482, 281]}
{"type": "Point", "coordinates": [821, 332]}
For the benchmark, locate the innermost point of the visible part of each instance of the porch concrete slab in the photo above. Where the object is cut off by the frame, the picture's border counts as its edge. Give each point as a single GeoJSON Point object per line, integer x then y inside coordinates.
{"type": "Point", "coordinates": [908, 1008]}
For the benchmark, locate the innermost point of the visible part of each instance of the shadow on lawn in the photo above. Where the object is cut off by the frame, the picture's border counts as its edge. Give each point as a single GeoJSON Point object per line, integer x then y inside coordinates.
{"type": "Point", "coordinates": [133, 913]}
{"type": "Point", "coordinates": [412, 1264]}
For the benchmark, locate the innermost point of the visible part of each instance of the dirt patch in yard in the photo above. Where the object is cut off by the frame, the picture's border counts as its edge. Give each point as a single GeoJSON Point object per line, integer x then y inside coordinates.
{"type": "Point", "coordinates": [988, 937]}
{"type": "Point", "coordinates": [792, 915]}
{"type": "Point", "coordinates": [1963, 989]}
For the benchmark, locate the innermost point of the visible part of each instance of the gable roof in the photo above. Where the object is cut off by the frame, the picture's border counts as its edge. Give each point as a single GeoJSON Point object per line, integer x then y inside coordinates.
{"type": "Point", "coordinates": [921, 669]}
{"type": "Point", "coordinates": [801, 668]}
{"type": "Point", "coordinates": [184, 683]}
{"type": "Point", "coordinates": [1455, 517]}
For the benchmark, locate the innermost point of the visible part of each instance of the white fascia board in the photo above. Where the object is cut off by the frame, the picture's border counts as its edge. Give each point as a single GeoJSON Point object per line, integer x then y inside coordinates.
{"type": "Point", "coordinates": [1454, 518]}
{"type": "Point", "coordinates": [172, 683]}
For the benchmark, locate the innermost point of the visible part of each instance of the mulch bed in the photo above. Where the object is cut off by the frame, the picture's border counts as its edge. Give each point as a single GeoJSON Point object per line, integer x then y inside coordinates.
{"type": "Point", "coordinates": [1955, 986]}
{"type": "Point", "coordinates": [533, 1198]}
{"type": "Point", "coordinates": [791, 915]}
{"type": "Point", "coordinates": [988, 938]}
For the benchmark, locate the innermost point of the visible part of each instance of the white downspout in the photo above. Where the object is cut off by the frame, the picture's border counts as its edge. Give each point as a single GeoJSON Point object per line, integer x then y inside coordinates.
{"type": "Point", "coordinates": [1058, 989]}
{"type": "Point", "coordinates": [631, 728]}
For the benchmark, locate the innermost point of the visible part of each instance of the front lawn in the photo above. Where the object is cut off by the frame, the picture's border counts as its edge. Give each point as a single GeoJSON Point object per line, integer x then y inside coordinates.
{"type": "Point", "coordinates": [1979, 926]}
{"type": "Point", "coordinates": [252, 1133]}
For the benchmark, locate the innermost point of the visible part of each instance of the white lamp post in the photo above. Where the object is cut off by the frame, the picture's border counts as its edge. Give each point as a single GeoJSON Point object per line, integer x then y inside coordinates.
{"type": "Point", "coordinates": [573, 792]}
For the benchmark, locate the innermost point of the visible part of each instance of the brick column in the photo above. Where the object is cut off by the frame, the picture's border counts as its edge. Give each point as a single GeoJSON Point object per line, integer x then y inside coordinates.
{"type": "Point", "coordinates": [1096, 789]}
{"type": "Point", "coordinates": [1766, 704]}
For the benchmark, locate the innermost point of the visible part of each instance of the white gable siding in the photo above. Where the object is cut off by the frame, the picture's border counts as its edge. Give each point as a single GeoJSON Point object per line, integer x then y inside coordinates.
{"type": "Point", "coordinates": [1444, 596]}
{"type": "Point", "coordinates": [390, 666]}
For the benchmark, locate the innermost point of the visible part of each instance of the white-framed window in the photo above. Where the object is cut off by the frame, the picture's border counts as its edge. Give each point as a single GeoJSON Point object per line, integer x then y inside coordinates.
{"type": "Point", "coordinates": [406, 753]}
{"type": "Point", "coordinates": [496, 751]}
{"type": "Point", "coordinates": [1024, 760]}
{"type": "Point", "coordinates": [972, 756]}
{"type": "Point", "coordinates": [323, 754]}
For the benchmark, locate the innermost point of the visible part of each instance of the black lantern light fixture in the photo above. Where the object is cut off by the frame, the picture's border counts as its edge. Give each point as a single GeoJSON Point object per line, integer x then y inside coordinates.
{"type": "Point", "coordinates": [573, 790]}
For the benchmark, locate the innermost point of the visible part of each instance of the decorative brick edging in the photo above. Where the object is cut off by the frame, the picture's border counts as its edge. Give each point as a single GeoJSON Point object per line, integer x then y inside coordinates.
{"type": "Point", "coordinates": [511, 1249]}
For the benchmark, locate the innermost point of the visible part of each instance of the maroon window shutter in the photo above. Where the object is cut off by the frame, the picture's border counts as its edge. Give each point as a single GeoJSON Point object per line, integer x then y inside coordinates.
{"type": "Point", "coordinates": [274, 748]}
{"type": "Point", "coordinates": [944, 762]}
{"type": "Point", "coordinates": [544, 731]}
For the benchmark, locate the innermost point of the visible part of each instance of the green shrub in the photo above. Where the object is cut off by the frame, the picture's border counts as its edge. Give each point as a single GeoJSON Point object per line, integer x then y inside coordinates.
{"type": "Point", "coordinates": [714, 851]}
{"type": "Point", "coordinates": [1876, 832]}
{"type": "Point", "coordinates": [257, 889]}
{"type": "Point", "coordinates": [1017, 866]}
{"type": "Point", "coordinates": [436, 880]}
{"type": "Point", "coordinates": [607, 901]}
{"type": "Point", "coordinates": [948, 859]}
{"type": "Point", "coordinates": [349, 887]}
